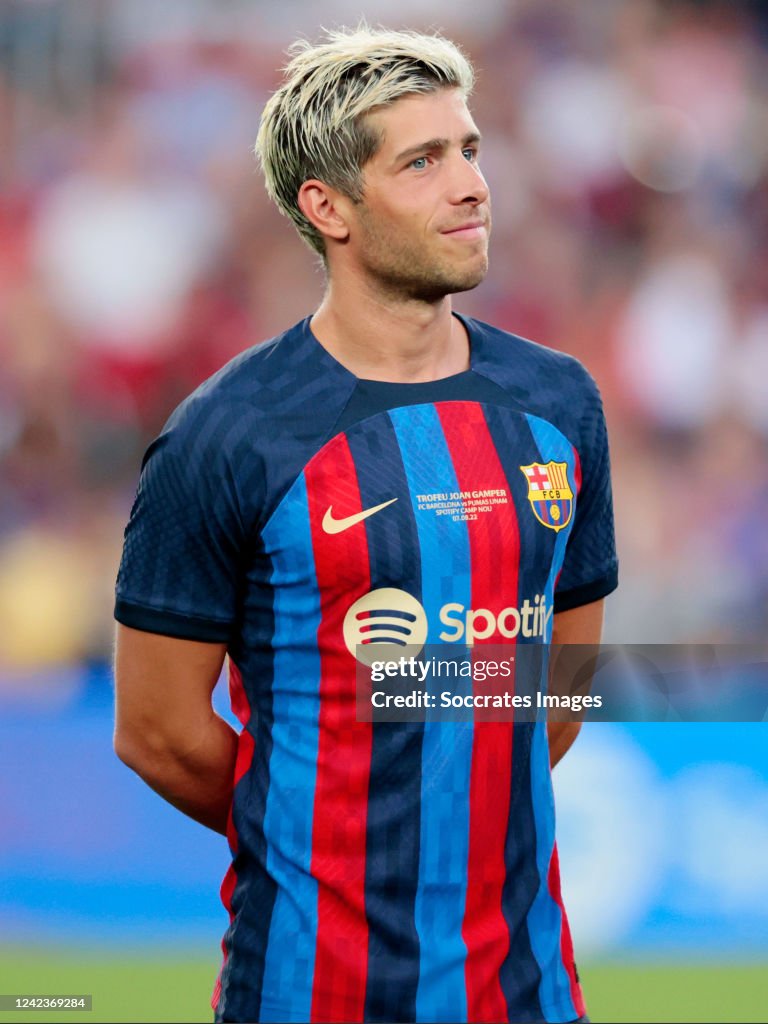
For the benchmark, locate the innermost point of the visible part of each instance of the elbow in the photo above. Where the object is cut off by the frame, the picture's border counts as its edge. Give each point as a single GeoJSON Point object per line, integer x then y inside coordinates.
{"type": "Point", "coordinates": [127, 748]}
{"type": "Point", "coordinates": [140, 750]}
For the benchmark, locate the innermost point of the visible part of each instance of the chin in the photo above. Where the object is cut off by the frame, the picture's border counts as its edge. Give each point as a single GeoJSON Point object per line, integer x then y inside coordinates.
{"type": "Point", "coordinates": [432, 289]}
{"type": "Point", "coordinates": [430, 283]}
{"type": "Point", "coordinates": [466, 281]}
{"type": "Point", "coordinates": [470, 281]}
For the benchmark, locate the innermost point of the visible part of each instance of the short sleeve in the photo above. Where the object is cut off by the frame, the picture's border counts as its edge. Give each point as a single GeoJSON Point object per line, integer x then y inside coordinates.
{"type": "Point", "coordinates": [590, 567]}
{"type": "Point", "coordinates": [183, 549]}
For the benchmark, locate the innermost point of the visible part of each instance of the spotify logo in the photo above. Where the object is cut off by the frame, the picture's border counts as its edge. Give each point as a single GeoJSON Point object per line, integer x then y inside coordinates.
{"type": "Point", "coordinates": [382, 623]}
{"type": "Point", "coordinates": [379, 625]}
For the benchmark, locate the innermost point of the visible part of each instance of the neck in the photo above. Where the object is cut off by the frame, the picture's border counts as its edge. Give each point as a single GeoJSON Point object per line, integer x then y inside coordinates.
{"type": "Point", "coordinates": [380, 337]}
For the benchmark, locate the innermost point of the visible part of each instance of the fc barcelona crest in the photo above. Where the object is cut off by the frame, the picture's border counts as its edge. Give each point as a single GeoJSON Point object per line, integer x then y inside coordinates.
{"type": "Point", "coordinates": [549, 493]}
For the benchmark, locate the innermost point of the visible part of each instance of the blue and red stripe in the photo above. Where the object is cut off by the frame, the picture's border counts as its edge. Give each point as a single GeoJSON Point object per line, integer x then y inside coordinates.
{"type": "Point", "coordinates": [445, 893]}
{"type": "Point", "coordinates": [394, 791]}
{"type": "Point", "coordinates": [290, 957]}
{"type": "Point", "coordinates": [248, 891]}
{"type": "Point", "coordinates": [447, 746]}
{"type": "Point", "coordinates": [521, 972]}
{"type": "Point", "coordinates": [339, 830]}
{"type": "Point", "coordinates": [495, 551]}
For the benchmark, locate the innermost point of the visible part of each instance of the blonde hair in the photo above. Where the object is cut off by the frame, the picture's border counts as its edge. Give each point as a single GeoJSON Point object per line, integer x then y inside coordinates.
{"type": "Point", "coordinates": [315, 125]}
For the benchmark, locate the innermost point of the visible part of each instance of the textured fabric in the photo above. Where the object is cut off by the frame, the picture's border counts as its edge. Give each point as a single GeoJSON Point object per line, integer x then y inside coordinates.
{"type": "Point", "coordinates": [385, 871]}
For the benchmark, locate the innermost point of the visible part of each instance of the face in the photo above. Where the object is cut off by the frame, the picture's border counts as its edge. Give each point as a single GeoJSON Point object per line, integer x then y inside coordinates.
{"type": "Point", "coordinates": [421, 230]}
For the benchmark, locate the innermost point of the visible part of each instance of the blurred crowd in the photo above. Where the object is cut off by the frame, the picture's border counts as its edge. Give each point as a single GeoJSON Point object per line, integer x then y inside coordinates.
{"type": "Point", "coordinates": [626, 145]}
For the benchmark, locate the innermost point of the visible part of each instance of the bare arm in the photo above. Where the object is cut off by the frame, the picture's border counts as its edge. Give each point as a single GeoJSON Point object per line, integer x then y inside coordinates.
{"type": "Point", "coordinates": [165, 727]}
{"type": "Point", "coordinates": [583, 625]}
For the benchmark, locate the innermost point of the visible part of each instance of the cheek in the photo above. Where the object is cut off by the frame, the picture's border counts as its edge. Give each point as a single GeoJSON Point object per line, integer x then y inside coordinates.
{"type": "Point", "coordinates": [407, 206]}
{"type": "Point", "coordinates": [399, 227]}
{"type": "Point", "coordinates": [390, 224]}
{"type": "Point", "coordinates": [419, 223]}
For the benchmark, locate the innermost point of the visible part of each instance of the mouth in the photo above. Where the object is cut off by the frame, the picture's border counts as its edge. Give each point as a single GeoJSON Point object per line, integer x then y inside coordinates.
{"type": "Point", "coordinates": [474, 229]}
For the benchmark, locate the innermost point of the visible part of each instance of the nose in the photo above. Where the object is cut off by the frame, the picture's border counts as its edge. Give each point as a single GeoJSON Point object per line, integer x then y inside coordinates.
{"type": "Point", "coordinates": [467, 182]}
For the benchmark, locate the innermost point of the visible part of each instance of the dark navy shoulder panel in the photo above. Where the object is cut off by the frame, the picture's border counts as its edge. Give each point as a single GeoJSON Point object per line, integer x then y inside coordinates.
{"type": "Point", "coordinates": [283, 399]}
{"type": "Point", "coordinates": [211, 479]}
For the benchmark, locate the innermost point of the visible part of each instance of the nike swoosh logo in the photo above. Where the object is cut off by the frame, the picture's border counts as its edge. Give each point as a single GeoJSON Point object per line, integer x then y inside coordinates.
{"type": "Point", "coordinates": [331, 525]}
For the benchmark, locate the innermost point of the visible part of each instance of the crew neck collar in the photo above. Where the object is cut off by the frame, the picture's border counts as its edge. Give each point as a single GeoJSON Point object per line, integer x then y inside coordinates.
{"type": "Point", "coordinates": [334, 363]}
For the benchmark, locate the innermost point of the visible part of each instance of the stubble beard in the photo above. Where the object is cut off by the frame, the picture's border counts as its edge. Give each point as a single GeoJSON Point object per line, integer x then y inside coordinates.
{"type": "Point", "coordinates": [406, 270]}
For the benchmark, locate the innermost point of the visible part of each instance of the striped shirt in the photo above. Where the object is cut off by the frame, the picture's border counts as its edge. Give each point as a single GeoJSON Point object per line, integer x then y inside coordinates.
{"type": "Point", "coordinates": [381, 871]}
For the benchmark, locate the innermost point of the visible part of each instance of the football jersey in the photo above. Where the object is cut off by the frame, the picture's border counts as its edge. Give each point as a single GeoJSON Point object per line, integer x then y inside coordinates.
{"type": "Point", "coordinates": [381, 870]}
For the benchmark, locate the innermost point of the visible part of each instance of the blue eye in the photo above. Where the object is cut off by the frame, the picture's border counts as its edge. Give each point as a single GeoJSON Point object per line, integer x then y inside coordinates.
{"type": "Point", "coordinates": [472, 153]}
{"type": "Point", "coordinates": [419, 160]}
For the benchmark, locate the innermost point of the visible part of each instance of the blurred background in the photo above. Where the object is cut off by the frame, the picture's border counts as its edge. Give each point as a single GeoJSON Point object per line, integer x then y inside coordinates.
{"type": "Point", "coordinates": [626, 146]}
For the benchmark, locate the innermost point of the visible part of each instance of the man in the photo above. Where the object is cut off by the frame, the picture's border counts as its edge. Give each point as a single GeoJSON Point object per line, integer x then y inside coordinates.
{"type": "Point", "coordinates": [381, 871]}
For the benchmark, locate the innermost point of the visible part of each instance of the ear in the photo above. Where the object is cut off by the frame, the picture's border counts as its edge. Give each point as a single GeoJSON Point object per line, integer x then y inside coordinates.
{"type": "Point", "coordinates": [325, 208]}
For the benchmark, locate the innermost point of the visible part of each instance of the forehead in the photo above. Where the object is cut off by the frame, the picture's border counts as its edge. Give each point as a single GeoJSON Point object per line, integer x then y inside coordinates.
{"type": "Point", "coordinates": [415, 118]}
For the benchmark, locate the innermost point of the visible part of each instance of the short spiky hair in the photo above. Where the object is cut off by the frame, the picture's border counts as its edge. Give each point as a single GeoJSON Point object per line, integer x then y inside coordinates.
{"type": "Point", "coordinates": [314, 126]}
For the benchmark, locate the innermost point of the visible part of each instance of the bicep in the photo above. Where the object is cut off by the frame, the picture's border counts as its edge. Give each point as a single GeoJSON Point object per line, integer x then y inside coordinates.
{"type": "Point", "coordinates": [575, 647]}
{"type": "Point", "coordinates": [582, 625]}
{"type": "Point", "coordinates": [163, 685]}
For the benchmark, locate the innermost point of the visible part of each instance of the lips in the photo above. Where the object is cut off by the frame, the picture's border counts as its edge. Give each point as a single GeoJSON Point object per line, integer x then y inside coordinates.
{"type": "Point", "coordinates": [472, 227]}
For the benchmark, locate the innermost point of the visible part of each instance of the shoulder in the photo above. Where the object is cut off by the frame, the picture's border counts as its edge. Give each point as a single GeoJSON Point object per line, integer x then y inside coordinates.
{"type": "Point", "coordinates": [511, 359]}
{"type": "Point", "coordinates": [250, 428]}
{"type": "Point", "coordinates": [245, 389]}
{"type": "Point", "coordinates": [259, 400]}
{"type": "Point", "coordinates": [546, 382]}
{"type": "Point", "coordinates": [213, 443]}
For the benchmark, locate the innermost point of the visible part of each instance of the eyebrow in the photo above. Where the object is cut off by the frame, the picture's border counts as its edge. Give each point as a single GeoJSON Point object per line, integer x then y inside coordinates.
{"type": "Point", "coordinates": [432, 144]}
